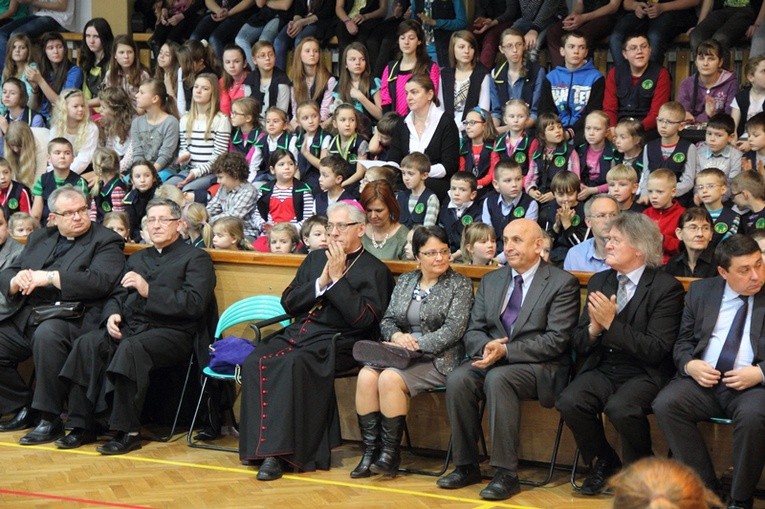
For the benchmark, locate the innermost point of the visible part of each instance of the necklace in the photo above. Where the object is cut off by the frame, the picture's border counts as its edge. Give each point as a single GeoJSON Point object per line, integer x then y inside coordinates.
{"type": "Point", "coordinates": [419, 294]}
{"type": "Point", "coordinates": [381, 244]}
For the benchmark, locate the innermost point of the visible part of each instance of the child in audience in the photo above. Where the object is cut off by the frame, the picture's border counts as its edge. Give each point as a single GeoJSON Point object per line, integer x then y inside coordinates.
{"type": "Point", "coordinates": [508, 200]}
{"type": "Point", "coordinates": [60, 158]}
{"type": "Point", "coordinates": [759, 237]}
{"type": "Point", "coordinates": [382, 135]}
{"type": "Point", "coordinates": [268, 84]}
{"type": "Point", "coordinates": [596, 156]}
{"type": "Point", "coordinates": [384, 172]}
{"type": "Point", "coordinates": [71, 120]}
{"type": "Point", "coordinates": [311, 79]}
{"type": "Point", "coordinates": [286, 199]}
{"type": "Point", "coordinates": [109, 190]}
{"type": "Point", "coordinates": [313, 233]}
{"type": "Point", "coordinates": [278, 138]}
{"type": "Point", "coordinates": [145, 237]}
{"type": "Point", "coordinates": [477, 154]}
{"type": "Point", "coordinates": [15, 104]}
{"type": "Point", "coordinates": [515, 70]}
{"type": "Point", "coordinates": [310, 141]}
{"type": "Point", "coordinates": [228, 233]}
{"type": "Point", "coordinates": [358, 88]}
{"type": "Point", "coordinates": [195, 225]}
{"type": "Point", "coordinates": [168, 70]}
{"type": "Point", "coordinates": [461, 210]}
{"type": "Point", "coordinates": [547, 246]}
{"type": "Point", "coordinates": [515, 142]}
{"type": "Point", "coordinates": [144, 178]}
{"type": "Point", "coordinates": [236, 197]}
{"type": "Point", "coordinates": [14, 196]}
{"type": "Point", "coordinates": [21, 225]}
{"type": "Point", "coordinates": [754, 159]}
{"type": "Point", "coordinates": [172, 193]}
{"type": "Point", "coordinates": [119, 222]}
{"type": "Point", "coordinates": [117, 114]}
{"type": "Point", "coordinates": [479, 244]}
{"type": "Point", "coordinates": [414, 60]}
{"type": "Point", "coordinates": [628, 140]}
{"type": "Point", "coordinates": [564, 221]}
{"type": "Point", "coordinates": [711, 89]}
{"type": "Point", "coordinates": [348, 144]}
{"type": "Point", "coordinates": [696, 256]}
{"type": "Point", "coordinates": [231, 84]}
{"type": "Point", "coordinates": [622, 185]}
{"type": "Point", "coordinates": [333, 170]}
{"type": "Point", "coordinates": [748, 193]}
{"type": "Point", "coordinates": [550, 155]}
{"type": "Point", "coordinates": [750, 100]}
{"type": "Point", "coordinates": [155, 134]}
{"type": "Point", "coordinates": [717, 149]}
{"type": "Point", "coordinates": [56, 73]}
{"type": "Point", "coordinates": [246, 136]}
{"type": "Point", "coordinates": [205, 135]}
{"type": "Point", "coordinates": [20, 150]}
{"type": "Point", "coordinates": [18, 55]}
{"type": "Point", "coordinates": [711, 187]}
{"type": "Point", "coordinates": [408, 251]}
{"type": "Point", "coordinates": [125, 70]}
{"type": "Point", "coordinates": [672, 152]}
{"type": "Point", "coordinates": [418, 204]}
{"type": "Point", "coordinates": [665, 211]}
{"type": "Point", "coordinates": [283, 238]}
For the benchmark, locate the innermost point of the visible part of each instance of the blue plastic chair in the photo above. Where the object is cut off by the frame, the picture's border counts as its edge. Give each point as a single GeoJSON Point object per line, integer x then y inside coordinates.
{"type": "Point", "coordinates": [264, 310]}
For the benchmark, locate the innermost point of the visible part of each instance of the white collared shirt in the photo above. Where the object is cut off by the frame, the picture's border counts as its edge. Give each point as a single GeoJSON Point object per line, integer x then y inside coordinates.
{"type": "Point", "coordinates": [419, 144]}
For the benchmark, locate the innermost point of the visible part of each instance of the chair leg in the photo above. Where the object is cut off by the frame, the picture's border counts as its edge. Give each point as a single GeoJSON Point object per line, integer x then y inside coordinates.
{"type": "Point", "coordinates": [169, 436]}
{"type": "Point", "coordinates": [433, 473]}
{"type": "Point", "coordinates": [574, 467]}
{"type": "Point", "coordinates": [553, 459]}
{"type": "Point", "coordinates": [198, 444]}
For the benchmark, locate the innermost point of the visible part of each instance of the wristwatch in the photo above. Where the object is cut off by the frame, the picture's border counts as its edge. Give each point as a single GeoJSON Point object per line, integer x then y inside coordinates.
{"type": "Point", "coordinates": [51, 275]}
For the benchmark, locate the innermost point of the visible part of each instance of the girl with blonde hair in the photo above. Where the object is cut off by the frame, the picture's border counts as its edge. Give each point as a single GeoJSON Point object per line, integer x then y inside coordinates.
{"type": "Point", "coordinates": [71, 120]}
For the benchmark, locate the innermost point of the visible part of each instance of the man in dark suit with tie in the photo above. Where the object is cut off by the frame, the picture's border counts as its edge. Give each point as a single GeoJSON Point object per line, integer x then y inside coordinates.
{"type": "Point", "coordinates": [720, 359]}
{"type": "Point", "coordinates": [70, 260]}
{"type": "Point", "coordinates": [624, 340]}
{"type": "Point", "coordinates": [518, 341]}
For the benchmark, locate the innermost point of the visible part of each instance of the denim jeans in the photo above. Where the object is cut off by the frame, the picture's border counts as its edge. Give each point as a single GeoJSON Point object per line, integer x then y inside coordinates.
{"type": "Point", "coordinates": [283, 43]}
{"type": "Point", "coordinates": [249, 34]}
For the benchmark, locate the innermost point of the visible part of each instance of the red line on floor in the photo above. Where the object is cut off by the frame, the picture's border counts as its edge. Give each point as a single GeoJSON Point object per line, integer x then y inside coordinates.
{"type": "Point", "coordinates": [71, 499]}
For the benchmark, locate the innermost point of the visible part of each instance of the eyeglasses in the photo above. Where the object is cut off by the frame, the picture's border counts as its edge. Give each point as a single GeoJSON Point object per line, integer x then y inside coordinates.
{"type": "Point", "coordinates": [162, 221]}
{"type": "Point", "coordinates": [432, 254]}
{"type": "Point", "coordinates": [69, 214]}
{"type": "Point", "coordinates": [633, 49]}
{"type": "Point", "coordinates": [694, 228]}
{"type": "Point", "coordinates": [706, 187]}
{"type": "Point", "coordinates": [341, 227]}
{"type": "Point", "coordinates": [733, 195]}
{"type": "Point", "coordinates": [508, 47]}
{"type": "Point", "coordinates": [236, 113]}
{"type": "Point", "coordinates": [604, 216]}
{"type": "Point", "coordinates": [667, 121]}
{"type": "Point", "coordinates": [471, 123]}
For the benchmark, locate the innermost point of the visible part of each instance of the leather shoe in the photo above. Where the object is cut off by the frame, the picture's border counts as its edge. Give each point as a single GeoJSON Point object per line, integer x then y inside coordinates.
{"type": "Point", "coordinates": [206, 435]}
{"type": "Point", "coordinates": [76, 438]}
{"type": "Point", "coordinates": [22, 420]}
{"type": "Point", "coordinates": [463, 475]}
{"type": "Point", "coordinates": [503, 486]}
{"type": "Point", "coordinates": [596, 481]}
{"type": "Point", "coordinates": [122, 443]}
{"type": "Point", "coordinates": [46, 431]}
{"type": "Point", "coordinates": [270, 470]}
{"type": "Point", "coordinates": [741, 504]}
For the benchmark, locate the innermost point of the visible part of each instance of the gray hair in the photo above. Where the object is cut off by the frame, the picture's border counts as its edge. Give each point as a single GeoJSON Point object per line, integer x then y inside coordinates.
{"type": "Point", "coordinates": [65, 191]}
{"type": "Point", "coordinates": [175, 209]}
{"type": "Point", "coordinates": [605, 196]}
{"type": "Point", "coordinates": [643, 234]}
{"type": "Point", "coordinates": [354, 212]}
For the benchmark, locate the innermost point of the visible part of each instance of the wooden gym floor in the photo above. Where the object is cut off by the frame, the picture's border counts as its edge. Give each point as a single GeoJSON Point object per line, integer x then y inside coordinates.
{"type": "Point", "coordinates": [172, 475]}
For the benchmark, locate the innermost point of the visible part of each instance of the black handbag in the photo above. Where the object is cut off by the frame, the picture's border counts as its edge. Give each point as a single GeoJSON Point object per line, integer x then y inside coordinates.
{"type": "Point", "coordinates": [385, 355]}
{"type": "Point", "coordinates": [63, 310]}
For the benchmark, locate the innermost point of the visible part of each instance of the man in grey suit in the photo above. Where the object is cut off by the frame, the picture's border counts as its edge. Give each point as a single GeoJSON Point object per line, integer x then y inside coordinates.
{"type": "Point", "coordinates": [518, 340]}
{"type": "Point", "coordinates": [719, 372]}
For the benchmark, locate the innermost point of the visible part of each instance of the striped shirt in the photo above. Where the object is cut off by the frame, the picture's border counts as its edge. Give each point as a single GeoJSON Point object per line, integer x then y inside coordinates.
{"type": "Point", "coordinates": [203, 151]}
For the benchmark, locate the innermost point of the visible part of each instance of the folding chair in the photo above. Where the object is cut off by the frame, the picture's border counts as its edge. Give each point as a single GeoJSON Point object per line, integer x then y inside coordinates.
{"type": "Point", "coordinates": [265, 308]}
{"type": "Point", "coordinates": [166, 438]}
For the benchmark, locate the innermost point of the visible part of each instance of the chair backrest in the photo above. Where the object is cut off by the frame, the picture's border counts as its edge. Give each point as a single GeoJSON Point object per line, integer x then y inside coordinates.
{"type": "Point", "coordinates": [257, 307]}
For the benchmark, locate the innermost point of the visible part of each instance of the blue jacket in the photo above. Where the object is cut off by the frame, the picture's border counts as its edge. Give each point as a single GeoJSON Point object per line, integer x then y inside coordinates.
{"type": "Point", "coordinates": [572, 94]}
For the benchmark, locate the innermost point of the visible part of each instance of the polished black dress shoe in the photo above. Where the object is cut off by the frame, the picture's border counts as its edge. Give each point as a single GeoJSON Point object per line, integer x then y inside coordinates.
{"type": "Point", "coordinates": [270, 470]}
{"type": "Point", "coordinates": [596, 481]}
{"type": "Point", "coordinates": [76, 438]}
{"type": "Point", "coordinates": [741, 504]}
{"type": "Point", "coordinates": [122, 443]}
{"type": "Point", "coordinates": [463, 475]}
{"type": "Point", "coordinates": [504, 485]}
{"type": "Point", "coordinates": [46, 431]}
{"type": "Point", "coordinates": [23, 419]}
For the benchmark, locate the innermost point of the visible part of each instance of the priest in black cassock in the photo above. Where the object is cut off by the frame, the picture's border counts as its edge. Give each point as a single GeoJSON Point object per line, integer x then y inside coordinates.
{"type": "Point", "coordinates": [288, 403]}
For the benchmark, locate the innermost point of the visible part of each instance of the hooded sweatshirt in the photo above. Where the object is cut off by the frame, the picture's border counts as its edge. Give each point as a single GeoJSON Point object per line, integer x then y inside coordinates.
{"type": "Point", "coordinates": [723, 92]}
